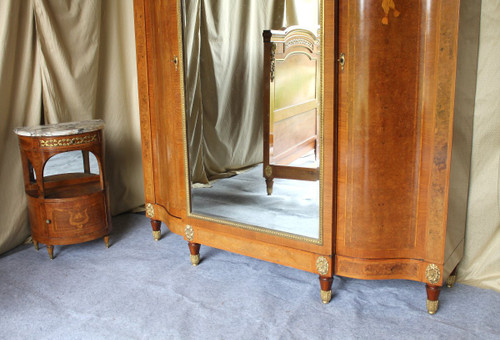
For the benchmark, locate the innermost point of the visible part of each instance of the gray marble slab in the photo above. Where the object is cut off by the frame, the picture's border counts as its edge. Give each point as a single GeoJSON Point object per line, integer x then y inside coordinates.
{"type": "Point", "coordinates": [61, 129]}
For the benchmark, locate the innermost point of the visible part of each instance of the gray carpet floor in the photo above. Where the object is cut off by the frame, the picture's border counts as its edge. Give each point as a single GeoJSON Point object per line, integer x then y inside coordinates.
{"type": "Point", "coordinates": [142, 289]}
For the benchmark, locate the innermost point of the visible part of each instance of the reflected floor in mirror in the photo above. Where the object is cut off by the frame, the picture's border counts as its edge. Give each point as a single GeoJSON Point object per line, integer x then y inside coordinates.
{"type": "Point", "coordinates": [292, 208]}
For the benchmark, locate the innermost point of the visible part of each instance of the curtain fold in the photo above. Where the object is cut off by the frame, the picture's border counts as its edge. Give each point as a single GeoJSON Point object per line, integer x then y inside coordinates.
{"type": "Point", "coordinates": [223, 57]}
{"type": "Point", "coordinates": [301, 12]}
{"type": "Point", "coordinates": [117, 103]}
{"type": "Point", "coordinates": [481, 263]}
{"type": "Point", "coordinates": [68, 42]}
{"type": "Point", "coordinates": [20, 104]}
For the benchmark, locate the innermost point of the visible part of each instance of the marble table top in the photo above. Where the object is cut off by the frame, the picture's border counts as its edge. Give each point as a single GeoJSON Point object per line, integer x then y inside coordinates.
{"type": "Point", "coordinates": [61, 129]}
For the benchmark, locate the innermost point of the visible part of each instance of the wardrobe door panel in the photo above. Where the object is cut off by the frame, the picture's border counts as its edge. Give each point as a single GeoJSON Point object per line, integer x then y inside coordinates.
{"type": "Point", "coordinates": [161, 97]}
{"type": "Point", "coordinates": [390, 137]}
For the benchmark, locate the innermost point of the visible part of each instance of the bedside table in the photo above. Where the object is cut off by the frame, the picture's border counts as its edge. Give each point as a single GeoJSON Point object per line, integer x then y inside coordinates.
{"type": "Point", "coordinates": [66, 208]}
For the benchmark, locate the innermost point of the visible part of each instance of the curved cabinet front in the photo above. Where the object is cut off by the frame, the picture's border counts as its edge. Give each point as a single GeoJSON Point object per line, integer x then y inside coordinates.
{"type": "Point", "coordinates": [395, 121]}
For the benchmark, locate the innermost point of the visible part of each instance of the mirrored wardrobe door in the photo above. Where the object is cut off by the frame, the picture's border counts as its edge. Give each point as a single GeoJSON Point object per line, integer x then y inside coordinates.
{"type": "Point", "coordinates": [173, 127]}
{"type": "Point", "coordinates": [233, 76]}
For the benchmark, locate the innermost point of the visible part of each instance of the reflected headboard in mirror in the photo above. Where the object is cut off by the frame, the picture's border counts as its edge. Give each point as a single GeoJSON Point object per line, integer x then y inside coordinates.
{"type": "Point", "coordinates": [291, 114]}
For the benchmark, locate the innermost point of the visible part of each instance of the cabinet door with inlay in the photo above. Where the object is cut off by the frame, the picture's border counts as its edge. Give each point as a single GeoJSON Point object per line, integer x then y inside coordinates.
{"type": "Point", "coordinates": [396, 90]}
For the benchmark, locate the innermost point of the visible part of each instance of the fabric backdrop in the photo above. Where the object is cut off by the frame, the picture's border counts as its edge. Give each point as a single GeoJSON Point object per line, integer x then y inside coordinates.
{"type": "Point", "coordinates": [77, 57]}
{"type": "Point", "coordinates": [481, 263]}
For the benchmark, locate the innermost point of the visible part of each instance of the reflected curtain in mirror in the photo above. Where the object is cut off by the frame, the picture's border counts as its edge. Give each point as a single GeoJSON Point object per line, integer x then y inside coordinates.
{"type": "Point", "coordinates": [223, 79]}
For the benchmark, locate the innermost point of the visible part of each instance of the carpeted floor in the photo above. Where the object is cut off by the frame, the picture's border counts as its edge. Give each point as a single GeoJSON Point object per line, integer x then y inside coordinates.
{"type": "Point", "coordinates": [142, 289]}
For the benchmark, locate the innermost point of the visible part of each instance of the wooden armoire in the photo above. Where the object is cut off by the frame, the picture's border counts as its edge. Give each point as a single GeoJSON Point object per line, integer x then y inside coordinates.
{"type": "Point", "coordinates": [388, 82]}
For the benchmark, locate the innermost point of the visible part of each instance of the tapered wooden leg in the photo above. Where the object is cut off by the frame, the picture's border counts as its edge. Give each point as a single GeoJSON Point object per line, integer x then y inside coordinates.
{"type": "Point", "coordinates": [194, 249]}
{"type": "Point", "coordinates": [35, 243]}
{"type": "Point", "coordinates": [450, 281]}
{"type": "Point", "coordinates": [156, 225]}
{"type": "Point", "coordinates": [326, 288]}
{"type": "Point", "coordinates": [432, 298]}
{"type": "Point", "coordinates": [50, 250]}
{"type": "Point", "coordinates": [106, 241]}
{"type": "Point", "coordinates": [269, 184]}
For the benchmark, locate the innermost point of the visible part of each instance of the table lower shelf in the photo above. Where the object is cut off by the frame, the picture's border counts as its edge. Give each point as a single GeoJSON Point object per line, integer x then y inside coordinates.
{"type": "Point", "coordinates": [68, 185]}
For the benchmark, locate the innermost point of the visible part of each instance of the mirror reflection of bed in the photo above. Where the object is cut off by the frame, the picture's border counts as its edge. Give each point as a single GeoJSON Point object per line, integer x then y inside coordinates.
{"type": "Point", "coordinates": [291, 103]}
{"type": "Point", "coordinates": [223, 61]}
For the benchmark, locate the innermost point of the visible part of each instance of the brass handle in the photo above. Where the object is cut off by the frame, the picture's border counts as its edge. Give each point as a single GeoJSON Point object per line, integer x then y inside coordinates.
{"type": "Point", "coordinates": [48, 221]}
{"type": "Point", "coordinates": [342, 61]}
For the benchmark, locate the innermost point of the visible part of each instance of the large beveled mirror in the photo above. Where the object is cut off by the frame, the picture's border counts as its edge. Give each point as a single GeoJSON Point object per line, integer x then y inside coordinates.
{"type": "Point", "coordinates": [253, 114]}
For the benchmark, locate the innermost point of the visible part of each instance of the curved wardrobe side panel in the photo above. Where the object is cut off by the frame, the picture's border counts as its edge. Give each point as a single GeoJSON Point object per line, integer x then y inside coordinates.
{"type": "Point", "coordinates": [394, 136]}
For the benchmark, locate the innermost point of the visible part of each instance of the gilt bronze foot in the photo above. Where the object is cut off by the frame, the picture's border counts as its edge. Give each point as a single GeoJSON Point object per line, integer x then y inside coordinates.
{"type": "Point", "coordinates": [326, 288]}
{"type": "Point", "coordinates": [50, 250]}
{"type": "Point", "coordinates": [35, 243]}
{"type": "Point", "coordinates": [194, 249]}
{"type": "Point", "coordinates": [326, 296]}
{"type": "Point", "coordinates": [432, 306]}
{"type": "Point", "coordinates": [106, 241]}
{"type": "Point", "coordinates": [269, 184]}
{"type": "Point", "coordinates": [432, 298]}
{"type": "Point", "coordinates": [450, 281]}
{"type": "Point", "coordinates": [156, 225]}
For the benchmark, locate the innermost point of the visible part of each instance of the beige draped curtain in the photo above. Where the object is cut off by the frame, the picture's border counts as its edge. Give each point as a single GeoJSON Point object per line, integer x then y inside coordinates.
{"type": "Point", "coordinates": [481, 263]}
{"type": "Point", "coordinates": [79, 57]}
